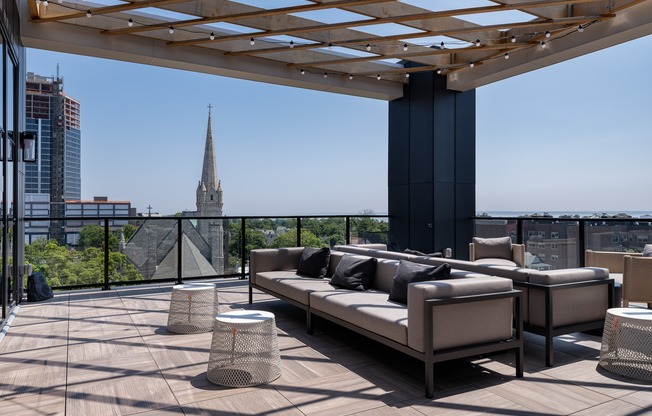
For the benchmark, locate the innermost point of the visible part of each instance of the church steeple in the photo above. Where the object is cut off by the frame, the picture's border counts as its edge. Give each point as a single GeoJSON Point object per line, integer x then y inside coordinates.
{"type": "Point", "coordinates": [209, 170]}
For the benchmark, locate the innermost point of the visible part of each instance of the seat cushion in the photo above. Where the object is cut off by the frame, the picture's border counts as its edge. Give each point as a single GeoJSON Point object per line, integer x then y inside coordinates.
{"type": "Point", "coordinates": [291, 285]}
{"type": "Point", "coordinates": [370, 310]}
{"type": "Point", "coordinates": [494, 261]}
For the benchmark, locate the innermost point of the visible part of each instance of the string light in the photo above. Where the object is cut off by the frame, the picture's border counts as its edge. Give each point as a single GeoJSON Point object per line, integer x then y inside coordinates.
{"type": "Point", "coordinates": [477, 42]}
{"type": "Point", "coordinates": [442, 45]}
{"type": "Point", "coordinates": [325, 74]}
{"type": "Point", "coordinates": [212, 36]}
{"type": "Point", "coordinates": [547, 33]}
{"type": "Point", "coordinates": [580, 28]}
{"type": "Point", "coordinates": [350, 76]}
{"type": "Point", "coordinates": [543, 44]}
{"type": "Point", "coordinates": [506, 56]}
{"type": "Point", "coordinates": [368, 47]}
{"type": "Point", "coordinates": [89, 13]}
{"type": "Point", "coordinates": [330, 46]}
{"type": "Point", "coordinates": [130, 23]}
{"type": "Point", "coordinates": [291, 44]}
{"type": "Point", "coordinates": [303, 72]}
{"type": "Point", "coordinates": [407, 75]}
{"type": "Point", "coordinates": [471, 64]}
{"type": "Point", "coordinates": [378, 77]}
{"type": "Point", "coordinates": [439, 71]}
{"type": "Point", "coordinates": [171, 30]}
{"type": "Point", "coordinates": [513, 39]}
{"type": "Point", "coordinates": [252, 42]}
{"type": "Point", "coordinates": [405, 47]}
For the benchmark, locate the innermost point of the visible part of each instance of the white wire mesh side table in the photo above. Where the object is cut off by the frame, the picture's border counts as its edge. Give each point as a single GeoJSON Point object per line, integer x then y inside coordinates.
{"type": "Point", "coordinates": [244, 351]}
{"type": "Point", "coordinates": [627, 342]}
{"type": "Point", "coordinates": [193, 307]}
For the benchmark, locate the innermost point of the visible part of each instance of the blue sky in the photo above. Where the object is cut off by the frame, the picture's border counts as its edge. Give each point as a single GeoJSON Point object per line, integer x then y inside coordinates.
{"type": "Point", "coordinates": [568, 137]}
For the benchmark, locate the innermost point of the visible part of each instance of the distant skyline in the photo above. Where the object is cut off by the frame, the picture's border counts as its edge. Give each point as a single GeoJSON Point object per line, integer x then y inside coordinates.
{"type": "Point", "coordinates": [570, 137]}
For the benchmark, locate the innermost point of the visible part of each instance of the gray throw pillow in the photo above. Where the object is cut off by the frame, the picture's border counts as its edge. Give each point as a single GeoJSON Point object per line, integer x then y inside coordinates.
{"type": "Point", "coordinates": [314, 262]}
{"type": "Point", "coordinates": [355, 273]}
{"type": "Point", "coordinates": [409, 272]}
{"type": "Point", "coordinates": [647, 250]}
{"type": "Point", "coordinates": [499, 248]}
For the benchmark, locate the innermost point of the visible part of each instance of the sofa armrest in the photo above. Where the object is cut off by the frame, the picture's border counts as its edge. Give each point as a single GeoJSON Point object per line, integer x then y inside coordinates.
{"type": "Point", "coordinates": [273, 259]}
{"type": "Point", "coordinates": [456, 324]}
{"type": "Point", "coordinates": [611, 260]}
{"type": "Point", "coordinates": [518, 254]}
{"type": "Point", "coordinates": [637, 279]}
{"type": "Point", "coordinates": [559, 276]}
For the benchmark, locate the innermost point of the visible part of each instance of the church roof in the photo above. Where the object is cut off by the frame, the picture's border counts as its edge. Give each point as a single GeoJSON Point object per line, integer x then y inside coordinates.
{"type": "Point", "coordinates": [194, 263]}
{"type": "Point", "coordinates": [209, 168]}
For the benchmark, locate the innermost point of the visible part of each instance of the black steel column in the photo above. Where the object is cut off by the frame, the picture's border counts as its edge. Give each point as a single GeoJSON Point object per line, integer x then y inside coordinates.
{"type": "Point", "coordinates": [431, 166]}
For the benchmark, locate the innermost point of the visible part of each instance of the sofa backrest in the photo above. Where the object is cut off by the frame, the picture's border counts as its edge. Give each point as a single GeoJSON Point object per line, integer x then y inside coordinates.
{"type": "Point", "coordinates": [611, 260]}
{"type": "Point", "coordinates": [385, 272]}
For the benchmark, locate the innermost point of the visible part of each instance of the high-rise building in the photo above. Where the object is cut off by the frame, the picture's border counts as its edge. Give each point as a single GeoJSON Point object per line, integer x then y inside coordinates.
{"type": "Point", "coordinates": [55, 117]}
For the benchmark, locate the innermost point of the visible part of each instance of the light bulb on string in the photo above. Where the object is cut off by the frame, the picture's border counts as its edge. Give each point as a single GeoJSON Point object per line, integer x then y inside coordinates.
{"type": "Point", "coordinates": [291, 44]}
{"type": "Point", "coordinates": [442, 45]}
{"type": "Point", "coordinates": [130, 22]}
{"type": "Point", "coordinates": [378, 77]}
{"type": "Point", "coordinates": [580, 28]}
{"type": "Point", "coordinates": [89, 13]}
{"type": "Point", "coordinates": [368, 47]}
{"type": "Point", "coordinates": [211, 36]}
{"type": "Point", "coordinates": [513, 39]}
{"type": "Point", "coordinates": [252, 41]}
{"type": "Point", "coordinates": [472, 64]}
{"type": "Point", "coordinates": [477, 42]}
{"type": "Point", "coordinates": [547, 33]}
{"type": "Point", "coordinates": [543, 44]}
{"type": "Point", "coordinates": [405, 47]}
{"type": "Point", "coordinates": [325, 74]}
{"type": "Point", "coordinates": [350, 76]}
{"type": "Point", "coordinates": [171, 30]}
{"type": "Point", "coordinates": [407, 75]}
{"type": "Point", "coordinates": [439, 72]}
{"type": "Point", "coordinates": [330, 46]}
{"type": "Point", "coordinates": [506, 56]}
{"type": "Point", "coordinates": [303, 72]}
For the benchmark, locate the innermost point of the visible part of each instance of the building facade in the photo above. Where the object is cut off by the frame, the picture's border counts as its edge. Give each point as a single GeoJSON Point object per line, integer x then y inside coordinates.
{"type": "Point", "coordinates": [55, 116]}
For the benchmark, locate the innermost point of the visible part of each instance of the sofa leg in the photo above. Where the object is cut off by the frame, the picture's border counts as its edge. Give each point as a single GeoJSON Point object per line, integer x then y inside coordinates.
{"type": "Point", "coordinates": [251, 295]}
{"type": "Point", "coordinates": [519, 361]}
{"type": "Point", "coordinates": [549, 350]}
{"type": "Point", "coordinates": [309, 323]}
{"type": "Point", "coordinates": [429, 380]}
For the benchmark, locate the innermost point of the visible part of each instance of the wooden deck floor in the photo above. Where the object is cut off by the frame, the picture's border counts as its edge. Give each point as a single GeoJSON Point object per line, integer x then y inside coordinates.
{"type": "Point", "coordinates": [108, 353]}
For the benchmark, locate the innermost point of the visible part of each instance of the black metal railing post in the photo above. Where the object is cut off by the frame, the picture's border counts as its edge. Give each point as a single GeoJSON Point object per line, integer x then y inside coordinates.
{"type": "Point", "coordinates": [243, 251]}
{"type": "Point", "coordinates": [179, 252]}
{"type": "Point", "coordinates": [582, 241]}
{"type": "Point", "coordinates": [519, 232]}
{"type": "Point", "coordinates": [298, 231]}
{"type": "Point", "coordinates": [106, 255]}
{"type": "Point", "coordinates": [347, 230]}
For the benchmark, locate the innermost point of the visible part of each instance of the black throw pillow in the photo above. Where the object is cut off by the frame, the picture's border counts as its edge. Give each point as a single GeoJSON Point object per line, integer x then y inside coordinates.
{"type": "Point", "coordinates": [314, 262]}
{"type": "Point", "coordinates": [409, 272]}
{"type": "Point", "coordinates": [354, 273]}
{"type": "Point", "coordinates": [420, 253]}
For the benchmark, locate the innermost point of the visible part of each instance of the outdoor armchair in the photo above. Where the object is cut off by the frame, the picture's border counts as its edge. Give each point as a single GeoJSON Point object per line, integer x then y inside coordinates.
{"type": "Point", "coordinates": [497, 251]}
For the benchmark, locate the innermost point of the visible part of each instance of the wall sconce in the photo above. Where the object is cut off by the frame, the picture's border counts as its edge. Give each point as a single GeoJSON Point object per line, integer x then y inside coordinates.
{"type": "Point", "coordinates": [28, 143]}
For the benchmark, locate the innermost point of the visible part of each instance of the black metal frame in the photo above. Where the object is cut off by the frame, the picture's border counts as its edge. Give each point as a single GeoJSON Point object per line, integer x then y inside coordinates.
{"type": "Point", "coordinates": [549, 331]}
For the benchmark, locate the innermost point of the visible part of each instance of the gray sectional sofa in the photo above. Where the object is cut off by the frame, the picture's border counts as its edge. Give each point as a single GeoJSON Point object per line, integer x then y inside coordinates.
{"type": "Point", "coordinates": [555, 302]}
{"type": "Point", "coordinates": [466, 315]}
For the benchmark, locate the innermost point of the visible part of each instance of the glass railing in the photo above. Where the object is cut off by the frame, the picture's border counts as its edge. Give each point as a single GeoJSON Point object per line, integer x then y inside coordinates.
{"type": "Point", "coordinates": [110, 251]}
{"type": "Point", "coordinates": [559, 243]}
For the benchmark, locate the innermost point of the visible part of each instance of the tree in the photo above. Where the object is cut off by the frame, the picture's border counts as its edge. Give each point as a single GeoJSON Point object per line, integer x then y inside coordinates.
{"type": "Point", "coordinates": [93, 236]}
{"type": "Point", "coordinates": [289, 239]}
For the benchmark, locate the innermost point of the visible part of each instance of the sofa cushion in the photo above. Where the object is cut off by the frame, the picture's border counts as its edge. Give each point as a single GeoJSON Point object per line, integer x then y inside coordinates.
{"type": "Point", "coordinates": [291, 285]}
{"type": "Point", "coordinates": [500, 247]}
{"type": "Point", "coordinates": [369, 310]}
{"type": "Point", "coordinates": [494, 261]}
{"type": "Point", "coordinates": [647, 250]}
{"type": "Point", "coordinates": [409, 272]}
{"type": "Point", "coordinates": [314, 262]}
{"type": "Point", "coordinates": [355, 273]}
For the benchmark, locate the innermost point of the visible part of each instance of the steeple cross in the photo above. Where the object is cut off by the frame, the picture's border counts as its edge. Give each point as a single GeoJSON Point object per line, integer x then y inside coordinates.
{"type": "Point", "coordinates": [209, 108]}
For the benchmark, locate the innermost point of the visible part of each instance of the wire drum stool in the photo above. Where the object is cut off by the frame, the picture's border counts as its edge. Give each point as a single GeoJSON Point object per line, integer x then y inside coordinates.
{"type": "Point", "coordinates": [193, 307]}
{"type": "Point", "coordinates": [627, 342]}
{"type": "Point", "coordinates": [244, 350]}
